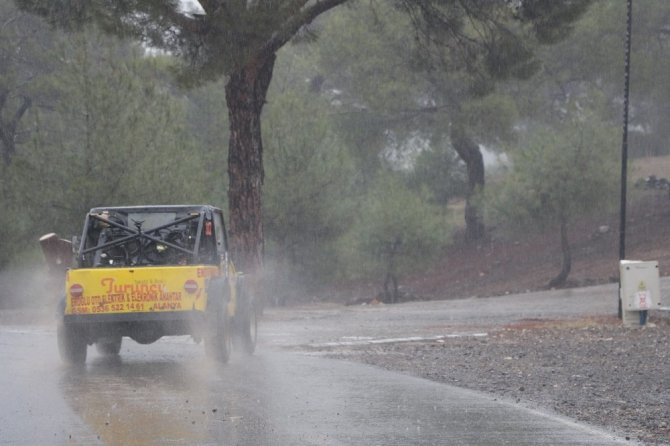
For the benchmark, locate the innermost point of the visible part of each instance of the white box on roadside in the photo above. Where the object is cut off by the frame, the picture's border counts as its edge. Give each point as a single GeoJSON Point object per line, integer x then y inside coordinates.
{"type": "Point", "coordinates": [640, 285]}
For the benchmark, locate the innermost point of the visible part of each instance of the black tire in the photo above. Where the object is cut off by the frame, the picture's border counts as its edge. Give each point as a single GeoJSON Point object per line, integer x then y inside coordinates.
{"type": "Point", "coordinates": [219, 342]}
{"type": "Point", "coordinates": [247, 324]}
{"type": "Point", "coordinates": [109, 347]}
{"type": "Point", "coordinates": [71, 345]}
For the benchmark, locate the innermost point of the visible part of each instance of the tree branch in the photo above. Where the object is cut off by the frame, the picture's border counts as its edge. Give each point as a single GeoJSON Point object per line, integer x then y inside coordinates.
{"type": "Point", "coordinates": [26, 102]}
{"type": "Point", "coordinates": [295, 22]}
{"type": "Point", "coordinates": [210, 6]}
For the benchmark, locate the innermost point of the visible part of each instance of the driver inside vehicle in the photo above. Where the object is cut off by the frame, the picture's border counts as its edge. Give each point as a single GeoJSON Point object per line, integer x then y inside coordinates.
{"type": "Point", "coordinates": [114, 255]}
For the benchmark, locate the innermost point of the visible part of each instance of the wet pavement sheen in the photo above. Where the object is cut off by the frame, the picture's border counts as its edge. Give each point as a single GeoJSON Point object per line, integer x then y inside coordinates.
{"type": "Point", "coordinates": [169, 393]}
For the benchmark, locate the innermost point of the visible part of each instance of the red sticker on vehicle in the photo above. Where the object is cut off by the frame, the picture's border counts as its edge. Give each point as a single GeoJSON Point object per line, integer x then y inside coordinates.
{"type": "Point", "coordinates": [191, 286]}
{"type": "Point", "coordinates": [76, 290]}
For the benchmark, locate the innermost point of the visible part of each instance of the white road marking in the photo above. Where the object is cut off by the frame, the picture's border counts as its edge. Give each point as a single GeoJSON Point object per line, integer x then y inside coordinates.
{"type": "Point", "coordinates": [371, 341]}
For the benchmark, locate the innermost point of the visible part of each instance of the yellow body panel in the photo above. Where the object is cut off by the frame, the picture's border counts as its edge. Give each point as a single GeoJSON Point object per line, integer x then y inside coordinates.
{"type": "Point", "coordinates": [137, 290]}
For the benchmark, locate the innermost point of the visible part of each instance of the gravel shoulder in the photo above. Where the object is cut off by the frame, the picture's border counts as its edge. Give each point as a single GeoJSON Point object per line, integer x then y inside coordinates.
{"type": "Point", "coordinates": [591, 369]}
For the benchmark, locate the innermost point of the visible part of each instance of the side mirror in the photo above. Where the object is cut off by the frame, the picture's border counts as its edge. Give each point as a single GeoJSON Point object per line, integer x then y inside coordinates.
{"type": "Point", "coordinates": [57, 252]}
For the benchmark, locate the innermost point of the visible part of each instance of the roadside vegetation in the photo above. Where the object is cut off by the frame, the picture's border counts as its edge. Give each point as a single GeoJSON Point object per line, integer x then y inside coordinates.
{"type": "Point", "coordinates": [370, 138]}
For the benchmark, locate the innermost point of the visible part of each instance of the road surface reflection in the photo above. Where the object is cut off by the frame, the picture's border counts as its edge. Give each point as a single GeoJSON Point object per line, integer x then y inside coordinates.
{"type": "Point", "coordinates": [131, 400]}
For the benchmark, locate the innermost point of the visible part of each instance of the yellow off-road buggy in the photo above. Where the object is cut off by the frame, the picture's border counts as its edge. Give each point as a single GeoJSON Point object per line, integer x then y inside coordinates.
{"type": "Point", "coordinates": [150, 271]}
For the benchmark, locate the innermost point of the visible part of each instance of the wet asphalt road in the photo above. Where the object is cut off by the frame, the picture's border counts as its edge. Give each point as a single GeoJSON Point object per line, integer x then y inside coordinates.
{"type": "Point", "coordinates": [169, 393]}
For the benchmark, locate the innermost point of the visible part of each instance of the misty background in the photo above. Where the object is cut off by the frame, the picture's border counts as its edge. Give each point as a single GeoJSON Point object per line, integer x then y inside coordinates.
{"type": "Point", "coordinates": [373, 132]}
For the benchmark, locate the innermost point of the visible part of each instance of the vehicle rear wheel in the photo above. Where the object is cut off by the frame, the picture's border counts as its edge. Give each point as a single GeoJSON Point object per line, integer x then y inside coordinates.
{"type": "Point", "coordinates": [109, 346]}
{"type": "Point", "coordinates": [247, 325]}
{"type": "Point", "coordinates": [219, 342]}
{"type": "Point", "coordinates": [71, 345]}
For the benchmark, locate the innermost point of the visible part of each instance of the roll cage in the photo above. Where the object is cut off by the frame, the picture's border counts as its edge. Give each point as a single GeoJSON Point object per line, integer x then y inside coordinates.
{"type": "Point", "coordinates": [177, 235]}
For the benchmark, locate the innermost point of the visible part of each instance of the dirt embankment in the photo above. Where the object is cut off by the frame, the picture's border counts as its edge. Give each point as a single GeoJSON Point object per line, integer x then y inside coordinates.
{"type": "Point", "coordinates": [507, 265]}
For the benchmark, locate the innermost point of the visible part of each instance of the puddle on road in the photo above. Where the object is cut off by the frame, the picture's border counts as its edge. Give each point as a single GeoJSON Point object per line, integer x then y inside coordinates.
{"type": "Point", "coordinates": [163, 401]}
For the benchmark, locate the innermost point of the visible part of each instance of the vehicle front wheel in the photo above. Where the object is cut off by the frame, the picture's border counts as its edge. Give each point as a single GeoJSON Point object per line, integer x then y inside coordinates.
{"type": "Point", "coordinates": [71, 345]}
{"type": "Point", "coordinates": [219, 342]}
{"type": "Point", "coordinates": [247, 325]}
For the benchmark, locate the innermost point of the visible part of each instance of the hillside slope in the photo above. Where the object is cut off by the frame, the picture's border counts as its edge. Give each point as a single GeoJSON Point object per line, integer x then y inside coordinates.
{"type": "Point", "coordinates": [505, 265]}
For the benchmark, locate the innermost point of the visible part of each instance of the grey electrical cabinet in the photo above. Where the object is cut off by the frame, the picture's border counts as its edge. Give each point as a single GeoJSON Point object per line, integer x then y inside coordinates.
{"type": "Point", "coordinates": [640, 288]}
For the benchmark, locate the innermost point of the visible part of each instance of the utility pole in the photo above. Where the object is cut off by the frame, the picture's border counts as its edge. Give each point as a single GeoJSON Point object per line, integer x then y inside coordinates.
{"type": "Point", "coordinates": [624, 144]}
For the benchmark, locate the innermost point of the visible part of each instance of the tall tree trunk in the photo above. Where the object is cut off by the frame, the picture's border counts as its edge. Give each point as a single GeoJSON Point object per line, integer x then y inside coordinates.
{"type": "Point", "coordinates": [392, 296]}
{"type": "Point", "coordinates": [8, 128]}
{"type": "Point", "coordinates": [471, 155]}
{"type": "Point", "coordinates": [559, 280]}
{"type": "Point", "coordinates": [246, 91]}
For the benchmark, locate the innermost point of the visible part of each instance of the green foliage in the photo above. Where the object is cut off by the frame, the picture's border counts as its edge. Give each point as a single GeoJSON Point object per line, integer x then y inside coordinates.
{"type": "Point", "coordinates": [322, 222]}
{"type": "Point", "coordinates": [550, 20]}
{"type": "Point", "coordinates": [308, 176]}
{"type": "Point", "coordinates": [108, 132]}
{"type": "Point", "coordinates": [371, 69]}
{"type": "Point", "coordinates": [491, 118]}
{"type": "Point", "coordinates": [486, 42]}
{"type": "Point", "coordinates": [558, 174]}
{"type": "Point", "coordinates": [588, 67]}
{"type": "Point", "coordinates": [212, 42]}
{"type": "Point", "coordinates": [396, 230]}
{"type": "Point", "coordinates": [118, 135]}
{"type": "Point", "coordinates": [207, 123]}
{"type": "Point", "coordinates": [107, 125]}
{"type": "Point", "coordinates": [440, 172]}
{"type": "Point", "coordinates": [373, 61]}
{"type": "Point", "coordinates": [650, 79]}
